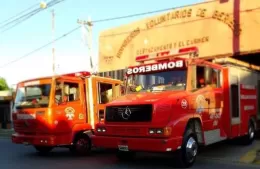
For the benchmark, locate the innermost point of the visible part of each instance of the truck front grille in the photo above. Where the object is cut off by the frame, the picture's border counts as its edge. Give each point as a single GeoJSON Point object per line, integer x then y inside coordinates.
{"type": "Point", "coordinates": [25, 127]}
{"type": "Point", "coordinates": [131, 113]}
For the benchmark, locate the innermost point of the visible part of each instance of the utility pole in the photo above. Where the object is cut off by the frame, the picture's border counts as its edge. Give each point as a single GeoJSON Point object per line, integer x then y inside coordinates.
{"type": "Point", "coordinates": [53, 38]}
{"type": "Point", "coordinates": [89, 25]}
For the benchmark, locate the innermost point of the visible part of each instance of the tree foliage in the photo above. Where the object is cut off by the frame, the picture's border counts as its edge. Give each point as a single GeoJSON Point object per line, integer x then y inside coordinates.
{"type": "Point", "coordinates": [3, 84]}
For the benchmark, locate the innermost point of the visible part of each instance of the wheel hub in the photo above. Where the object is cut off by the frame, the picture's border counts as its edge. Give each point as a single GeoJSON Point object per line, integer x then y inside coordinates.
{"type": "Point", "coordinates": [191, 149]}
{"type": "Point", "coordinates": [82, 144]}
{"type": "Point", "coordinates": [251, 133]}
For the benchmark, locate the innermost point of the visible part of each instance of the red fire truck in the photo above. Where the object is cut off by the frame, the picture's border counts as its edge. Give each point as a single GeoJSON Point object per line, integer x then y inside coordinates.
{"type": "Point", "coordinates": [61, 111]}
{"type": "Point", "coordinates": [181, 102]}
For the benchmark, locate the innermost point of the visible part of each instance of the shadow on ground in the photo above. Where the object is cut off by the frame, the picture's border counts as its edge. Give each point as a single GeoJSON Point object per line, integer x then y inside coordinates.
{"type": "Point", "coordinates": [223, 152]}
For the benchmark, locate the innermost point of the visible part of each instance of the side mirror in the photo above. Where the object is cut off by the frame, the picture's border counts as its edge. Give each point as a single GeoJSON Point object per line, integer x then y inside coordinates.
{"type": "Point", "coordinates": [208, 75]}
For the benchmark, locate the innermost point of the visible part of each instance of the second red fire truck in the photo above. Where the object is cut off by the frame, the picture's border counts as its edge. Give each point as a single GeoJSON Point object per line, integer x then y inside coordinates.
{"type": "Point", "coordinates": [179, 103]}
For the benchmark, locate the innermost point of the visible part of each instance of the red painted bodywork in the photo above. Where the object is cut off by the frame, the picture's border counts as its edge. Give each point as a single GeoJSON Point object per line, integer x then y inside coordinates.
{"type": "Point", "coordinates": [42, 130]}
{"type": "Point", "coordinates": [168, 112]}
{"type": "Point", "coordinates": [51, 126]}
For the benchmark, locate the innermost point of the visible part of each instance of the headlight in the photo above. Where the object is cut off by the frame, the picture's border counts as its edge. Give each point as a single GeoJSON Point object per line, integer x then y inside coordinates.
{"type": "Point", "coordinates": [152, 131]}
{"type": "Point", "coordinates": [166, 131]}
{"type": "Point", "coordinates": [101, 129]}
{"type": "Point", "coordinates": [159, 131]}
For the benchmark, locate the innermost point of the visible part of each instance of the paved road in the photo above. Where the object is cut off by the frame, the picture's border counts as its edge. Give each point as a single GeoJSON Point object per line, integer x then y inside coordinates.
{"type": "Point", "coordinates": [24, 157]}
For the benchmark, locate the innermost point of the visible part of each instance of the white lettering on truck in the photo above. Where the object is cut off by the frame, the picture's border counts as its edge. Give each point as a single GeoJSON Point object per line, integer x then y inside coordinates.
{"type": "Point", "coordinates": [155, 67]}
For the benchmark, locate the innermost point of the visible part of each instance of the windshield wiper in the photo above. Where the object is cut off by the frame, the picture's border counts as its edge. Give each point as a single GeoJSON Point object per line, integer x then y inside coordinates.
{"type": "Point", "coordinates": [158, 90]}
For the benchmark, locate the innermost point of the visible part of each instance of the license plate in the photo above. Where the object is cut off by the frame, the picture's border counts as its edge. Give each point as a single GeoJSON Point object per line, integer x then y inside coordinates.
{"type": "Point", "coordinates": [123, 147]}
{"type": "Point", "coordinates": [25, 143]}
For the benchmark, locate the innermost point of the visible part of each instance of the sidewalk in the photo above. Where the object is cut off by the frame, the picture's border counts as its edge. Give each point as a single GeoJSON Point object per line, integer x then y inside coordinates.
{"type": "Point", "coordinates": [253, 156]}
{"type": "Point", "coordinates": [6, 133]}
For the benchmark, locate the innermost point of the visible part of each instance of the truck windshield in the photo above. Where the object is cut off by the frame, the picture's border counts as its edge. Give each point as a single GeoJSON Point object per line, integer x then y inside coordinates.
{"type": "Point", "coordinates": [33, 96]}
{"type": "Point", "coordinates": [157, 81]}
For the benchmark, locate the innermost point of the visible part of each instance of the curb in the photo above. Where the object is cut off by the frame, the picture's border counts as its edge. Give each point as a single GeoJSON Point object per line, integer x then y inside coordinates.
{"type": "Point", "coordinates": [251, 157]}
{"type": "Point", "coordinates": [257, 159]}
{"type": "Point", "coordinates": [6, 134]}
{"type": "Point", "coordinates": [5, 138]}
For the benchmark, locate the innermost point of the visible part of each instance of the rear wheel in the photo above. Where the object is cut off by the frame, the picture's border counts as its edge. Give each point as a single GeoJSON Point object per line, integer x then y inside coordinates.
{"type": "Point", "coordinates": [43, 149]}
{"type": "Point", "coordinates": [81, 145]}
{"type": "Point", "coordinates": [189, 150]}
{"type": "Point", "coordinates": [249, 138]}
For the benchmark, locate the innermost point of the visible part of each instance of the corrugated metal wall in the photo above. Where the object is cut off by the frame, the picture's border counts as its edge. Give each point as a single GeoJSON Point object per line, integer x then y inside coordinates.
{"type": "Point", "coordinates": [117, 74]}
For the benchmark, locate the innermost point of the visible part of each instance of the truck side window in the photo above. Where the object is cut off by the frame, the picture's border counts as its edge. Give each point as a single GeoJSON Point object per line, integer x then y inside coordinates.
{"type": "Point", "coordinates": [105, 93]}
{"type": "Point", "coordinates": [214, 80]}
{"type": "Point", "coordinates": [71, 91]}
{"type": "Point", "coordinates": [200, 77]}
{"type": "Point", "coordinates": [58, 92]}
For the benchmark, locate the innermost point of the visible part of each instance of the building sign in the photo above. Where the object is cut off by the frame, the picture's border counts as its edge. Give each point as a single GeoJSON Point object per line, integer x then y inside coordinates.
{"type": "Point", "coordinates": [211, 26]}
{"type": "Point", "coordinates": [156, 67]}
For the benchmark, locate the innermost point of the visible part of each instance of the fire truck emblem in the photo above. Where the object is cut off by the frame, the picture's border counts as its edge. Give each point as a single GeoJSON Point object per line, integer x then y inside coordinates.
{"type": "Point", "coordinates": [184, 103]}
{"type": "Point", "coordinates": [200, 101]}
{"type": "Point", "coordinates": [70, 113]}
{"type": "Point", "coordinates": [126, 114]}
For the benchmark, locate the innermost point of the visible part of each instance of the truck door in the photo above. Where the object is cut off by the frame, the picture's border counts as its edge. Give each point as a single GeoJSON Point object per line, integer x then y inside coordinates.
{"type": "Point", "coordinates": [215, 98]}
{"type": "Point", "coordinates": [200, 97]}
{"type": "Point", "coordinates": [207, 101]}
{"type": "Point", "coordinates": [106, 90]}
{"type": "Point", "coordinates": [68, 107]}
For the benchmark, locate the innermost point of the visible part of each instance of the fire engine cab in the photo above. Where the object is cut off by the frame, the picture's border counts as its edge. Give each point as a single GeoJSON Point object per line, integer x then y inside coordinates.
{"type": "Point", "coordinates": [177, 102]}
{"type": "Point", "coordinates": [61, 111]}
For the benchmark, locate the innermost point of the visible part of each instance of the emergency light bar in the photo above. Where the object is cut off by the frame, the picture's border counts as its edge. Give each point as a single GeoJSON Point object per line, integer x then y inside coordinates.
{"type": "Point", "coordinates": [78, 74]}
{"type": "Point", "coordinates": [167, 54]}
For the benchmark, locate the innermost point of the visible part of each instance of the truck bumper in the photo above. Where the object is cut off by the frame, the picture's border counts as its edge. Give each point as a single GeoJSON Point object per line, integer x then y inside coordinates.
{"type": "Point", "coordinates": [42, 140]}
{"type": "Point", "coordinates": [137, 144]}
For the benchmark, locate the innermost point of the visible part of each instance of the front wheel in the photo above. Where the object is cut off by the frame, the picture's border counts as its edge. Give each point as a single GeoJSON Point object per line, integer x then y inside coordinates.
{"type": "Point", "coordinates": [189, 150]}
{"type": "Point", "coordinates": [81, 145]}
{"type": "Point", "coordinates": [249, 138]}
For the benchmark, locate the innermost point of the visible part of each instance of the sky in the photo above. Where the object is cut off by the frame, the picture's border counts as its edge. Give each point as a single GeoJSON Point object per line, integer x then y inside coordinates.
{"type": "Point", "coordinates": [70, 52]}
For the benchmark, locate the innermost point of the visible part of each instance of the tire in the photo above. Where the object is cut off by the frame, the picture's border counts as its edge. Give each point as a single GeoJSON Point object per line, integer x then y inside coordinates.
{"type": "Point", "coordinates": [43, 150]}
{"type": "Point", "coordinates": [188, 153]}
{"type": "Point", "coordinates": [125, 155]}
{"type": "Point", "coordinates": [81, 145]}
{"type": "Point", "coordinates": [249, 138]}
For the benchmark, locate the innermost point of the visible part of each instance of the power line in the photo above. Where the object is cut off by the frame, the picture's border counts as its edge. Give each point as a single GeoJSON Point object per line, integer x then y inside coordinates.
{"type": "Point", "coordinates": [19, 22]}
{"type": "Point", "coordinates": [71, 31]}
{"type": "Point", "coordinates": [110, 19]}
{"type": "Point", "coordinates": [18, 14]}
{"type": "Point", "coordinates": [10, 22]}
{"type": "Point", "coordinates": [134, 15]}
{"type": "Point", "coordinates": [26, 16]}
{"type": "Point", "coordinates": [36, 50]}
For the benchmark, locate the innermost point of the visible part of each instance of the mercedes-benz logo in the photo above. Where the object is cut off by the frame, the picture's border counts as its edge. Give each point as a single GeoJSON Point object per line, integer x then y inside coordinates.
{"type": "Point", "coordinates": [126, 114]}
{"type": "Point", "coordinates": [26, 123]}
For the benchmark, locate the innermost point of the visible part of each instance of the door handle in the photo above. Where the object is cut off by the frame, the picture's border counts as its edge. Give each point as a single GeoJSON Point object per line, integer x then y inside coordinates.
{"type": "Point", "coordinates": [208, 100]}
